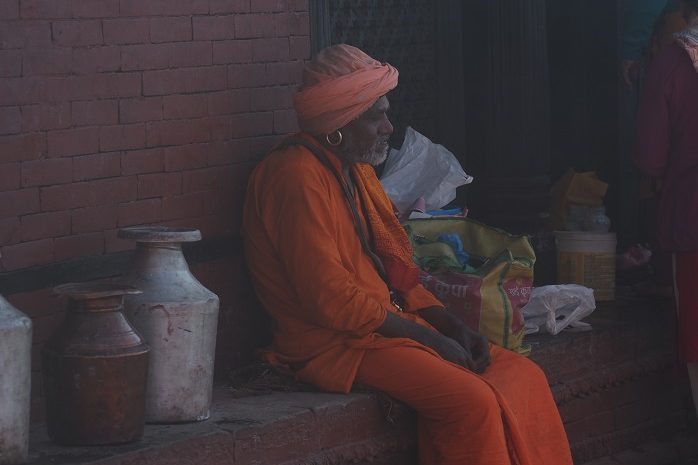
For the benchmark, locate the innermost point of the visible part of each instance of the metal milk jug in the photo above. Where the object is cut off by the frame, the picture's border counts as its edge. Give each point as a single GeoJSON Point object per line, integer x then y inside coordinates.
{"type": "Point", "coordinates": [95, 369]}
{"type": "Point", "coordinates": [15, 379]}
{"type": "Point", "coordinates": [178, 317]}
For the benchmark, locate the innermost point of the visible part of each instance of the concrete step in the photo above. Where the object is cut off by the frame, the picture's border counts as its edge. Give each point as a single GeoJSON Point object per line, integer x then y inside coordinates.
{"type": "Point", "coordinates": [617, 387]}
{"type": "Point", "coordinates": [283, 428]}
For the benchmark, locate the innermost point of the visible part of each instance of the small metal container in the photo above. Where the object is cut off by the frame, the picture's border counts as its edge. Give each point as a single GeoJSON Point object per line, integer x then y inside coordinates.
{"type": "Point", "coordinates": [95, 369]}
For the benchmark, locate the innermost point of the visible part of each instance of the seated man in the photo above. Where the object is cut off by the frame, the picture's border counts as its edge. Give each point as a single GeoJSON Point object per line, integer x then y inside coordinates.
{"type": "Point", "coordinates": [333, 267]}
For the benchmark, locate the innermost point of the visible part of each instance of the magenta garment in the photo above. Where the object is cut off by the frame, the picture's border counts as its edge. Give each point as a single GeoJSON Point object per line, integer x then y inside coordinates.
{"type": "Point", "coordinates": [666, 144]}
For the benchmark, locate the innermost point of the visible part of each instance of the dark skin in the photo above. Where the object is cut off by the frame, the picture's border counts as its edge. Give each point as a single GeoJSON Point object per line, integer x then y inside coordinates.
{"type": "Point", "coordinates": [365, 140]}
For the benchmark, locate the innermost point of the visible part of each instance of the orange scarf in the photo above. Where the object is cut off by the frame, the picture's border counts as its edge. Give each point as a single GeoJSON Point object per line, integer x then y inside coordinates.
{"type": "Point", "coordinates": [390, 240]}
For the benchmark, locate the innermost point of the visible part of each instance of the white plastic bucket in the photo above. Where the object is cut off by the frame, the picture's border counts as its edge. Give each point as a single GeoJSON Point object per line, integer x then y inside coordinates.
{"type": "Point", "coordinates": [588, 259]}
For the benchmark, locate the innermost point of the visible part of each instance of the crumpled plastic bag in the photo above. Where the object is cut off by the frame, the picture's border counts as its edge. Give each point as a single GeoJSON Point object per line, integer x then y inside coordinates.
{"type": "Point", "coordinates": [422, 168]}
{"type": "Point", "coordinates": [553, 308]}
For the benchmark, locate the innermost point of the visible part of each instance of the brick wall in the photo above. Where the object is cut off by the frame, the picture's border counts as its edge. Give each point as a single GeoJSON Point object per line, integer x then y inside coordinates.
{"type": "Point", "coordinates": [123, 112]}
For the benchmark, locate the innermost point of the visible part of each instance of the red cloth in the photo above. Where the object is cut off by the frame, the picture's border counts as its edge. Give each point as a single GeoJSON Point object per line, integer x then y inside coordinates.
{"type": "Point", "coordinates": [505, 417]}
{"type": "Point", "coordinates": [667, 144]}
{"type": "Point", "coordinates": [339, 84]}
{"type": "Point", "coordinates": [687, 300]}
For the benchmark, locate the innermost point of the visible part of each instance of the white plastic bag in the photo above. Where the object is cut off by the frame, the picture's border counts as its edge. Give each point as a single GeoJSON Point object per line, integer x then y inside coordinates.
{"type": "Point", "coordinates": [422, 169]}
{"type": "Point", "coordinates": [554, 308]}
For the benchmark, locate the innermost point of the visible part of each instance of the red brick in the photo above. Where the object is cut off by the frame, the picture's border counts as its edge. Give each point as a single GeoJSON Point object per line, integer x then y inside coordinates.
{"type": "Point", "coordinates": [84, 245]}
{"type": "Point", "coordinates": [281, 25]}
{"type": "Point", "coordinates": [184, 54]}
{"type": "Point", "coordinates": [95, 8]}
{"type": "Point", "coordinates": [115, 190]}
{"type": "Point", "coordinates": [269, 5]}
{"type": "Point", "coordinates": [10, 120]}
{"type": "Point", "coordinates": [9, 176]}
{"type": "Point", "coordinates": [46, 116]}
{"type": "Point", "coordinates": [246, 75]}
{"type": "Point", "coordinates": [67, 196]}
{"type": "Point", "coordinates": [220, 127]}
{"type": "Point", "coordinates": [300, 24]}
{"type": "Point", "coordinates": [178, 132]}
{"type": "Point", "coordinates": [139, 212]}
{"type": "Point", "coordinates": [185, 157]}
{"type": "Point", "coordinates": [183, 206]}
{"type": "Point", "coordinates": [260, 146]}
{"type": "Point", "coordinates": [26, 34]}
{"type": "Point", "coordinates": [254, 26]}
{"type": "Point", "coordinates": [22, 91]}
{"type": "Point", "coordinates": [19, 202]}
{"type": "Point", "coordinates": [10, 63]}
{"type": "Point", "coordinates": [113, 244]}
{"type": "Point", "coordinates": [266, 49]}
{"type": "Point", "coordinates": [299, 48]}
{"type": "Point", "coordinates": [229, 6]}
{"type": "Point", "coordinates": [226, 152]}
{"type": "Point", "coordinates": [284, 73]}
{"type": "Point", "coordinates": [217, 178]}
{"type": "Point", "coordinates": [47, 61]}
{"type": "Point", "coordinates": [92, 219]}
{"type": "Point", "coordinates": [126, 30]}
{"type": "Point", "coordinates": [95, 112]}
{"type": "Point", "coordinates": [184, 106]}
{"type": "Point", "coordinates": [140, 109]}
{"type": "Point", "coordinates": [184, 80]}
{"type": "Point", "coordinates": [159, 185]}
{"type": "Point", "coordinates": [232, 51]}
{"type": "Point", "coordinates": [73, 142]}
{"type": "Point", "coordinates": [253, 124]}
{"type": "Point", "coordinates": [145, 56]}
{"type": "Point", "coordinates": [9, 230]}
{"type": "Point", "coordinates": [89, 194]}
{"type": "Point", "coordinates": [45, 9]}
{"type": "Point", "coordinates": [26, 254]}
{"type": "Point", "coordinates": [229, 102]}
{"type": "Point", "coordinates": [122, 137]}
{"type": "Point", "coordinates": [142, 161]}
{"type": "Point", "coordinates": [272, 98]}
{"type": "Point", "coordinates": [163, 7]}
{"type": "Point", "coordinates": [22, 147]}
{"type": "Point", "coordinates": [101, 165]}
{"type": "Point", "coordinates": [213, 27]}
{"type": "Point", "coordinates": [9, 9]}
{"type": "Point", "coordinates": [77, 33]}
{"type": "Point", "coordinates": [285, 122]}
{"type": "Point", "coordinates": [97, 86]}
{"type": "Point", "coordinates": [298, 5]}
{"type": "Point", "coordinates": [44, 225]}
{"type": "Point", "coordinates": [170, 29]}
{"type": "Point", "coordinates": [96, 60]}
{"type": "Point", "coordinates": [47, 172]}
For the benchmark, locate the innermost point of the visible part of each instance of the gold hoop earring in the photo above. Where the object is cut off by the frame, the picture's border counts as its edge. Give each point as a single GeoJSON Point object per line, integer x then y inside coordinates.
{"type": "Point", "coordinates": [334, 143]}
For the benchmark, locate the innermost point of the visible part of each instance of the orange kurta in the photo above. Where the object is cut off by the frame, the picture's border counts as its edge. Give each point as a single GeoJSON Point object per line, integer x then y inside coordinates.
{"type": "Point", "coordinates": [327, 300]}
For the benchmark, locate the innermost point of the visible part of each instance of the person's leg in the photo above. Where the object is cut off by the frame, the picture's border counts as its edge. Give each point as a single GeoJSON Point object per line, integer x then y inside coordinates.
{"type": "Point", "coordinates": [459, 415]}
{"type": "Point", "coordinates": [525, 387]}
{"type": "Point", "coordinates": [685, 270]}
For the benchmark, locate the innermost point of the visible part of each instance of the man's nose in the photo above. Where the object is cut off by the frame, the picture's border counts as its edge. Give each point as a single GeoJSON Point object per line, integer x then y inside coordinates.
{"type": "Point", "coordinates": [387, 127]}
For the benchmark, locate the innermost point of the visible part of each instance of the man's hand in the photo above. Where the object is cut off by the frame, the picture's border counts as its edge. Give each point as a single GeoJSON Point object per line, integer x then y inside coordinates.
{"type": "Point", "coordinates": [449, 349]}
{"type": "Point", "coordinates": [475, 344]}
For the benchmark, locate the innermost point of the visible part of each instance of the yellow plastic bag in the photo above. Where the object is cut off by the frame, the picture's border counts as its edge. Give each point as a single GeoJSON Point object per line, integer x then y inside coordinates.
{"type": "Point", "coordinates": [490, 297]}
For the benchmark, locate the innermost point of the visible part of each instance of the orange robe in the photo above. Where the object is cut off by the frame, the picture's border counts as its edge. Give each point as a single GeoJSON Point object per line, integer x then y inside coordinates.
{"type": "Point", "coordinates": [327, 300]}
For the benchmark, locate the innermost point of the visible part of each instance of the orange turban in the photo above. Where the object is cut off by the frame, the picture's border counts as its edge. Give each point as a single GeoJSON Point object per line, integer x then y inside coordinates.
{"type": "Point", "coordinates": [339, 84]}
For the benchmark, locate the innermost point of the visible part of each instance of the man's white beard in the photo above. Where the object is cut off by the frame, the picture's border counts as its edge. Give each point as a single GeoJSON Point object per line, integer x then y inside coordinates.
{"type": "Point", "coordinates": [374, 155]}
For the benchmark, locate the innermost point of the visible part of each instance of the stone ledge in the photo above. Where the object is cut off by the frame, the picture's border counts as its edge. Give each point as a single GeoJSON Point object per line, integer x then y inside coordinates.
{"type": "Point", "coordinates": [275, 429]}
